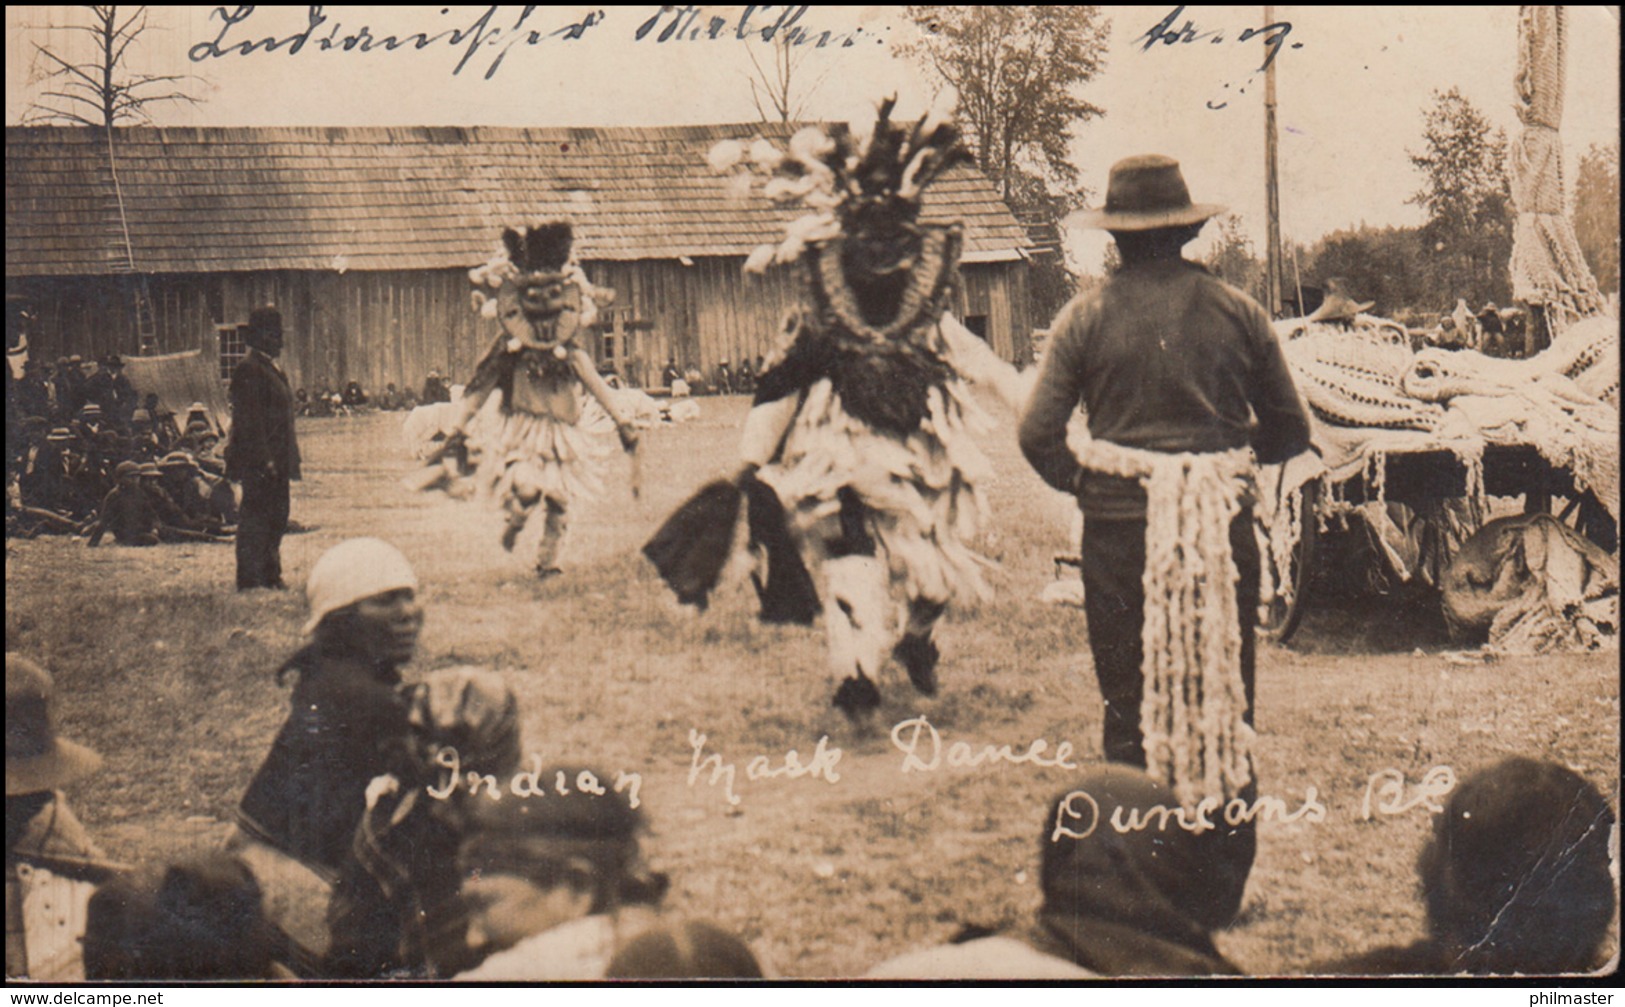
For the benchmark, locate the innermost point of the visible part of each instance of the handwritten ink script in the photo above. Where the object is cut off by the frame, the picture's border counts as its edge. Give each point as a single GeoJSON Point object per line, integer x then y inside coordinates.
{"type": "Point", "coordinates": [692, 24]}
{"type": "Point", "coordinates": [483, 36]}
{"type": "Point", "coordinates": [487, 39]}
{"type": "Point", "coordinates": [1169, 32]}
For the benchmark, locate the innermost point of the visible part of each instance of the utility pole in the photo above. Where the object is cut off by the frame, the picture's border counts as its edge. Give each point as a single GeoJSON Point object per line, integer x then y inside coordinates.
{"type": "Point", "coordinates": [1272, 184]}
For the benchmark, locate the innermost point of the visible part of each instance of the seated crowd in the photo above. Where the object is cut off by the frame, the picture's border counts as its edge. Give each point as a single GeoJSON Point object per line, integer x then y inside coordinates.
{"type": "Point", "coordinates": [87, 465]}
{"type": "Point", "coordinates": [361, 852]}
{"type": "Point", "coordinates": [349, 398]}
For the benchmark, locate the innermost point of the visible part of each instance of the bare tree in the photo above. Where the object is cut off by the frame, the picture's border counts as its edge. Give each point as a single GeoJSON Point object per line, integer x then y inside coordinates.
{"type": "Point", "coordinates": [101, 90]}
{"type": "Point", "coordinates": [774, 88]}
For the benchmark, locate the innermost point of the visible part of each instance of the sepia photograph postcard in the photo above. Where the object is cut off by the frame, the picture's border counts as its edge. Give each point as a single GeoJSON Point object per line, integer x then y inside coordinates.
{"type": "Point", "coordinates": [515, 494]}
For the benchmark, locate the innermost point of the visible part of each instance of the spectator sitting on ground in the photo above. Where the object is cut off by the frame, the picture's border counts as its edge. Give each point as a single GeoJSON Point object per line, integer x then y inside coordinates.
{"type": "Point", "coordinates": [1138, 903]}
{"type": "Point", "coordinates": [85, 477]}
{"type": "Point", "coordinates": [199, 919]}
{"type": "Point", "coordinates": [91, 420]}
{"type": "Point", "coordinates": [395, 909]}
{"type": "Point", "coordinates": [143, 444]}
{"type": "Point", "coordinates": [389, 399]}
{"type": "Point", "coordinates": [354, 397]}
{"type": "Point", "coordinates": [51, 864]}
{"type": "Point", "coordinates": [347, 720]}
{"type": "Point", "coordinates": [197, 412]}
{"type": "Point", "coordinates": [745, 380]}
{"type": "Point", "coordinates": [203, 444]}
{"type": "Point", "coordinates": [301, 403]}
{"type": "Point", "coordinates": [435, 389]}
{"type": "Point", "coordinates": [174, 524]}
{"type": "Point", "coordinates": [39, 484]}
{"type": "Point", "coordinates": [670, 375]}
{"type": "Point", "coordinates": [127, 511]}
{"type": "Point", "coordinates": [408, 400]}
{"type": "Point", "coordinates": [725, 380]}
{"type": "Point", "coordinates": [196, 499]}
{"type": "Point", "coordinates": [164, 423]}
{"type": "Point", "coordinates": [321, 402]}
{"type": "Point", "coordinates": [555, 885]}
{"type": "Point", "coordinates": [1516, 878]}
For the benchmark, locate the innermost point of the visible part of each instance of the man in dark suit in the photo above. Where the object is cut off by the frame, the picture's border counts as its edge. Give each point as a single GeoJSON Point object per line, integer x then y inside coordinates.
{"type": "Point", "coordinates": [263, 454]}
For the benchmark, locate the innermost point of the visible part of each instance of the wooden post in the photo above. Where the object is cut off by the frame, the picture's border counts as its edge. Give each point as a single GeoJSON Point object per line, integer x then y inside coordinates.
{"type": "Point", "coordinates": [1272, 250]}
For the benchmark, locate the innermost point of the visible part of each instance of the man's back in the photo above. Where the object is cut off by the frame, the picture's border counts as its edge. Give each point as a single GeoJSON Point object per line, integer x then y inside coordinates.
{"type": "Point", "coordinates": [1166, 357]}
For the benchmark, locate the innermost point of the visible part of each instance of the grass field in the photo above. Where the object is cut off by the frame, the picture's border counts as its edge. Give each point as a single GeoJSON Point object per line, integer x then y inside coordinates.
{"type": "Point", "coordinates": [168, 673]}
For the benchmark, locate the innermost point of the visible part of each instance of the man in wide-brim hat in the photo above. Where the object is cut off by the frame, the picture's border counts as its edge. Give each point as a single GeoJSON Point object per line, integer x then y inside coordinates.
{"type": "Point", "coordinates": [1340, 308]}
{"type": "Point", "coordinates": [1182, 379]}
{"type": "Point", "coordinates": [51, 865]}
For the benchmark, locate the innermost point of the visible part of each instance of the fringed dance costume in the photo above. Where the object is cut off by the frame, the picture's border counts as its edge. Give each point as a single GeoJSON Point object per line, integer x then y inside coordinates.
{"type": "Point", "coordinates": [544, 444]}
{"type": "Point", "coordinates": [859, 460]}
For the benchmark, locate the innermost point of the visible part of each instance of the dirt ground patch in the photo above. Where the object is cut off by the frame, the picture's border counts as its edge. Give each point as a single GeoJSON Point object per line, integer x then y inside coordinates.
{"type": "Point", "coordinates": [169, 674]}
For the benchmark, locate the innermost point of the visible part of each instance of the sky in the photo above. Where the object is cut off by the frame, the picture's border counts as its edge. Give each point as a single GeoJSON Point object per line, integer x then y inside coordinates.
{"type": "Point", "coordinates": [1353, 83]}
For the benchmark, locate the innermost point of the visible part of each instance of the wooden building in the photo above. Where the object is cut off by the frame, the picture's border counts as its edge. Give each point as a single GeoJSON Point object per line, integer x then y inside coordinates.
{"type": "Point", "coordinates": [165, 239]}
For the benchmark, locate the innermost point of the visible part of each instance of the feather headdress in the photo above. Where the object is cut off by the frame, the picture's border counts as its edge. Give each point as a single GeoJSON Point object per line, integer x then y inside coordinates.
{"type": "Point", "coordinates": [843, 177]}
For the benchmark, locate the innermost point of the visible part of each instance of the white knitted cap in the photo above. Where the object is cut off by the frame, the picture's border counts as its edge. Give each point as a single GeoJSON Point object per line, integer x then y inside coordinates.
{"type": "Point", "coordinates": [354, 569]}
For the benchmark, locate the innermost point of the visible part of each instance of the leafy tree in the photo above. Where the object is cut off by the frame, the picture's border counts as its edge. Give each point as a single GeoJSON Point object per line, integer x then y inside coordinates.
{"type": "Point", "coordinates": [1384, 265]}
{"type": "Point", "coordinates": [1596, 213]}
{"type": "Point", "coordinates": [1231, 258]}
{"type": "Point", "coordinates": [102, 90]}
{"type": "Point", "coordinates": [1465, 192]}
{"type": "Point", "coordinates": [1017, 71]}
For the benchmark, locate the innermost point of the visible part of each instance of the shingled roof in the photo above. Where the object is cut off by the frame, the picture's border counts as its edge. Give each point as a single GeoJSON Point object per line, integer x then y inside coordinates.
{"type": "Point", "coordinates": [231, 199]}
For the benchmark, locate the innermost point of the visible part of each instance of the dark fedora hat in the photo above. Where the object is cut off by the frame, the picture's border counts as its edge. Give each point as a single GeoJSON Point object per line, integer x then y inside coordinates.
{"type": "Point", "coordinates": [36, 759]}
{"type": "Point", "coordinates": [263, 322]}
{"type": "Point", "coordinates": [1146, 193]}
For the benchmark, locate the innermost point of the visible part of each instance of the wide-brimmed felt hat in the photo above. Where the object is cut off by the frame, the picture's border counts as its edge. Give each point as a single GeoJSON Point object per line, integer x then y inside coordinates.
{"type": "Point", "coordinates": [1337, 307]}
{"type": "Point", "coordinates": [150, 469]}
{"type": "Point", "coordinates": [176, 460]}
{"type": "Point", "coordinates": [1146, 193]}
{"type": "Point", "coordinates": [36, 758]}
{"type": "Point", "coordinates": [60, 435]}
{"type": "Point", "coordinates": [126, 469]}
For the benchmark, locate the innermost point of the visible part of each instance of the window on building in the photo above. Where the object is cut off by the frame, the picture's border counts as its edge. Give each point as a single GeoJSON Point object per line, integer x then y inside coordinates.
{"type": "Point", "coordinates": [233, 348]}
